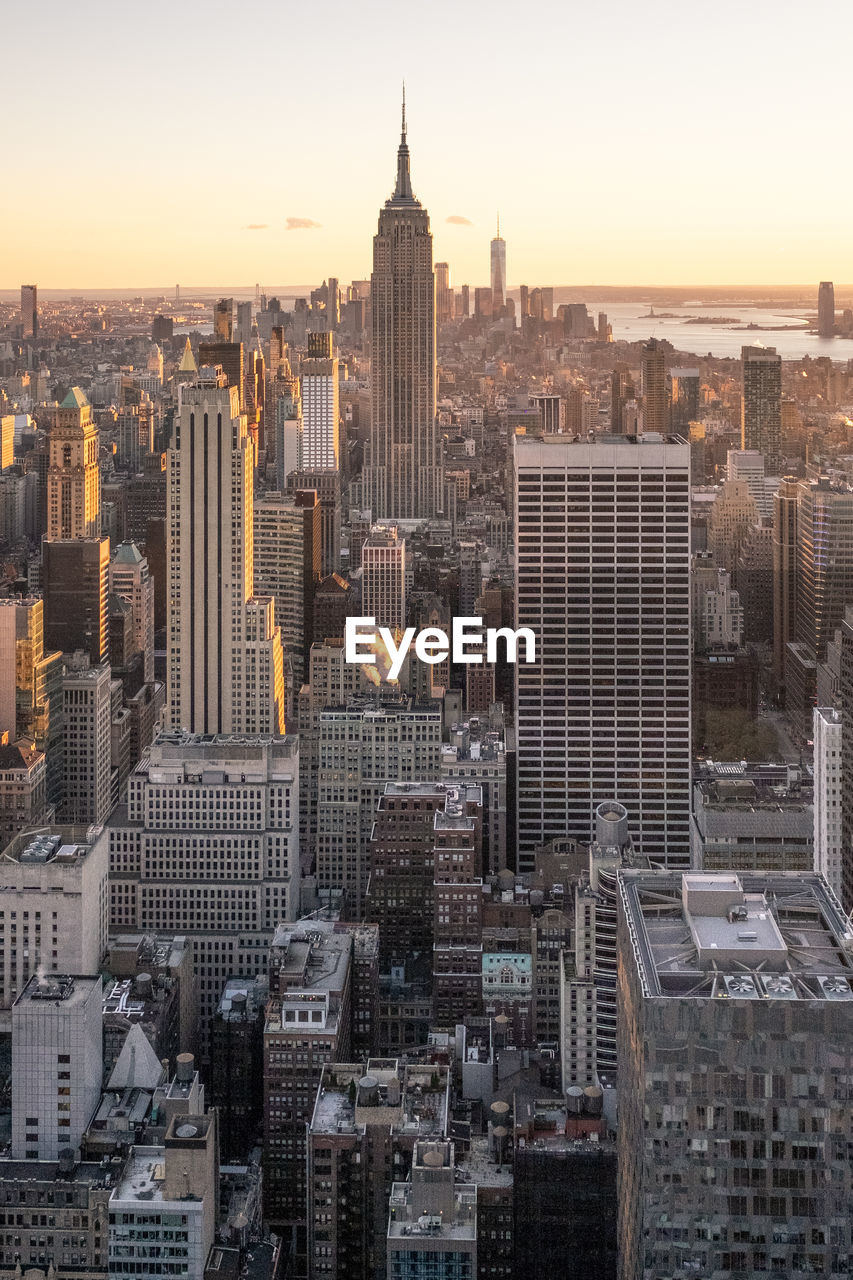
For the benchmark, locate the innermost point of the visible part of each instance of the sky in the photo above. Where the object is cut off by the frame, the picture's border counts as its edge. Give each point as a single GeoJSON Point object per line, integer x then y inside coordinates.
{"type": "Point", "coordinates": [623, 143]}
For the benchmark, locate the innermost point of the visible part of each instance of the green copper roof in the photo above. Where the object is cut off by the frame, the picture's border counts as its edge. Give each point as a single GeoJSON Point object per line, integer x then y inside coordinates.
{"type": "Point", "coordinates": [74, 400]}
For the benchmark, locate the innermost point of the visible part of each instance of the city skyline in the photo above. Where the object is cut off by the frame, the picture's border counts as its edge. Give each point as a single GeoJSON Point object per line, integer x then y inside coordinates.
{"type": "Point", "coordinates": [706, 213]}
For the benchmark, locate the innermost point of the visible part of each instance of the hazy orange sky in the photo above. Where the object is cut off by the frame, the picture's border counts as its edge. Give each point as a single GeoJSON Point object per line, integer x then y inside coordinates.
{"type": "Point", "coordinates": [662, 143]}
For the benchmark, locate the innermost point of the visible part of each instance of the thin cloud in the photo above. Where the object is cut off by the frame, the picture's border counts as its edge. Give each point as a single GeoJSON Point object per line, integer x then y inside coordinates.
{"type": "Point", "coordinates": [458, 220]}
{"type": "Point", "coordinates": [258, 226]}
{"type": "Point", "coordinates": [302, 224]}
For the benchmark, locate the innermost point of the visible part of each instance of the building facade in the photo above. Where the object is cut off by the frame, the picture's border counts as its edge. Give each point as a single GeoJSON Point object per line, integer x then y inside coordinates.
{"type": "Point", "coordinates": [603, 581]}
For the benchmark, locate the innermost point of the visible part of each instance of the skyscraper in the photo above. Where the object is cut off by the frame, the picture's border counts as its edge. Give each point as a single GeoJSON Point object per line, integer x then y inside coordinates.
{"type": "Point", "coordinates": [75, 585]}
{"type": "Point", "coordinates": [498, 271]}
{"type": "Point", "coordinates": [403, 474]}
{"type": "Point", "coordinates": [73, 478]}
{"type": "Point", "coordinates": [29, 310]}
{"type": "Point", "coordinates": [784, 572]}
{"type": "Point", "coordinates": [826, 309]}
{"type": "Point", "coordinates": [383, 562]}
{"type": "Point", "coordinates": [287, 567]}
{"type": "Point", "coordinates": [761, 406]}
{"type": "Point", "coordinates": [655, 414]}
{"type": "Point", "coordinates": [223, 320]}
{"type": "Point", "coordinates": [603, 580]}
{"type": "Point", "coordinates": [225, 670]}
{"type": "Point", "coordinates": [321, 415]}
{"type": "Point", "coordinates": [443, 293]}
{"type": "Point", "coordinates": [130, 578]}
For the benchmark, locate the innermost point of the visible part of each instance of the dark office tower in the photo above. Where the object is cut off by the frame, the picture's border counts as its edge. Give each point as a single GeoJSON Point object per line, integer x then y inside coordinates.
{"type": "Point", "coordinates": [333, 303]}
{"type": "Point", "coordinates": [684, 399]}
{"type": "Point", "coordinates": [603, 581]}
{"type": "Point", "coordinates": [333, 604]}
{"type": "Point", "coordinates": [155, 553]}
{"type": "Point", "coordinates": [223, 320]}
{"type": "Point", "coordinates": [498, 271]}
{"type": "Point", "coordinates": [162, 328]}
{"type": "Point", "coordinates": [483, 304]}
{"type": "Point", "coordinates": [784, 572]}
{"type": "Point", "coordinates": [327, 485]}
{"type": "Point", "coordinates": [29, 310]}
{"type": "Point", "coordinates": [466, 300]}
{"type": "Point", "coordinates": [523, 301]}
{"type": "Point", "coordinates": [655, 415]}
{"type": "Point", "coordinates": [75, 585]}
{"type": "Point", "coordinates": [621, 390]}
{"type": "Point", "coordinates": [402, 869]}
{"type": "Point", "coordinates": [403, 473]}
{"type": "Point", "coordinates": [761, 406]}
{"type": "Point", "coordinates": [230, 356]}
{"type": "Point", "coordinates": [734, 1037]}
{"type": "Point", "coordinates": [826, 309]}
{"type": "Point", "coordinates": [824, 561]}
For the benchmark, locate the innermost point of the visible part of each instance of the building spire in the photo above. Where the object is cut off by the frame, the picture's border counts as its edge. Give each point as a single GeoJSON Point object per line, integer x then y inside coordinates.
{"type": "Point", "coordinates": [499, 226]}
{"type": "Point", "coordinates": [403, 189]}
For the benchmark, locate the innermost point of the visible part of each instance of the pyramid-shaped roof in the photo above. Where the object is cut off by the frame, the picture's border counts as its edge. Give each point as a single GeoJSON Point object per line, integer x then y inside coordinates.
{"type": "Point", "coordinates": [138, 1066]}
{"type": "Point", "coordinates": [188, 364]}
{"type": "Point", "coordinates": [127, 553]}
{"type": "Point", "coordinates": [75, 400]}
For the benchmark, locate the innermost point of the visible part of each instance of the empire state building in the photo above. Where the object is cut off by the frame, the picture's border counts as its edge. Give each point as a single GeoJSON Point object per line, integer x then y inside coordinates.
{"type": "Point", "coordinates": [403, 473]}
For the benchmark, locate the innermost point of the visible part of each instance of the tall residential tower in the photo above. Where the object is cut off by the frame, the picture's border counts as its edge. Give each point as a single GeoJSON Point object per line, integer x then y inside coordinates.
{"type": "Point", "coordinates": [498, 271]}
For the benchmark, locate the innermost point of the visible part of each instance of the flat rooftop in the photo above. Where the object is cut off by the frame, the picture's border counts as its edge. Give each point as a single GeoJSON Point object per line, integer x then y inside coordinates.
{"type": "Point", "coordinates": [58, 989]}
{"type": "Point", "coordinates": [747, 935]}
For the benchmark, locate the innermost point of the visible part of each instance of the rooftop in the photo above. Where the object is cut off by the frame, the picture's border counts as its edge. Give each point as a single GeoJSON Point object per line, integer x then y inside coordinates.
{"type": "Point", "coordinates": [57, 848]}
{"type": "Point", "coordinates": [750, 935]}
{"type": "Point", "coordinates": [411, 1099]}
{"type": "Point", "coordinates": [58, 989]}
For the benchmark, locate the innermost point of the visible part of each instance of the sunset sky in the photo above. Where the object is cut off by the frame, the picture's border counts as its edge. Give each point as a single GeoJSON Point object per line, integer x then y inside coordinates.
{"type": "Point", "coordinates": [656, 143]}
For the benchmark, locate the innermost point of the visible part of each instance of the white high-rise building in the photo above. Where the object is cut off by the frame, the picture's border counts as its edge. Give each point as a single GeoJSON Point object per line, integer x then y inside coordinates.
{"type": "Point", "coordinates": [213, 660]}
{"type": "Point", "coordinates": [603, 580]}
{"type": "Point", "coordinates": [827, 795]}
{"type": "Point", "coordinates": [57, 1064]}
{"type": "Point", "coordinates": [54, 907]}
{"type": "Point", "coordinates": [383, 584]}
{"type": "Point", "coordinates": [130, 578]}
{"type": "Point", "coordinates": [403, 472]}
{"type": "Point", "coordinates": [207, 845]}
{"type": "Point", "coordinates": [321, 414]}
{"type": "Point", "coordinates": [748, 465]}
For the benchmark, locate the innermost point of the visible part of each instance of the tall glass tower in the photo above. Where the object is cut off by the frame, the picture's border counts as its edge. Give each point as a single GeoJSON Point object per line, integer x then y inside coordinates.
{"type": "Point", "coordinates": [498, 271]}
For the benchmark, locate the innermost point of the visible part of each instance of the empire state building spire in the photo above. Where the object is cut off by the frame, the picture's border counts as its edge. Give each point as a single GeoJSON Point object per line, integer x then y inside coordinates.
{"type": "Point", "coordinates": [403, 191]}
{"type": "Point", "coordinates": [402, 476]}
